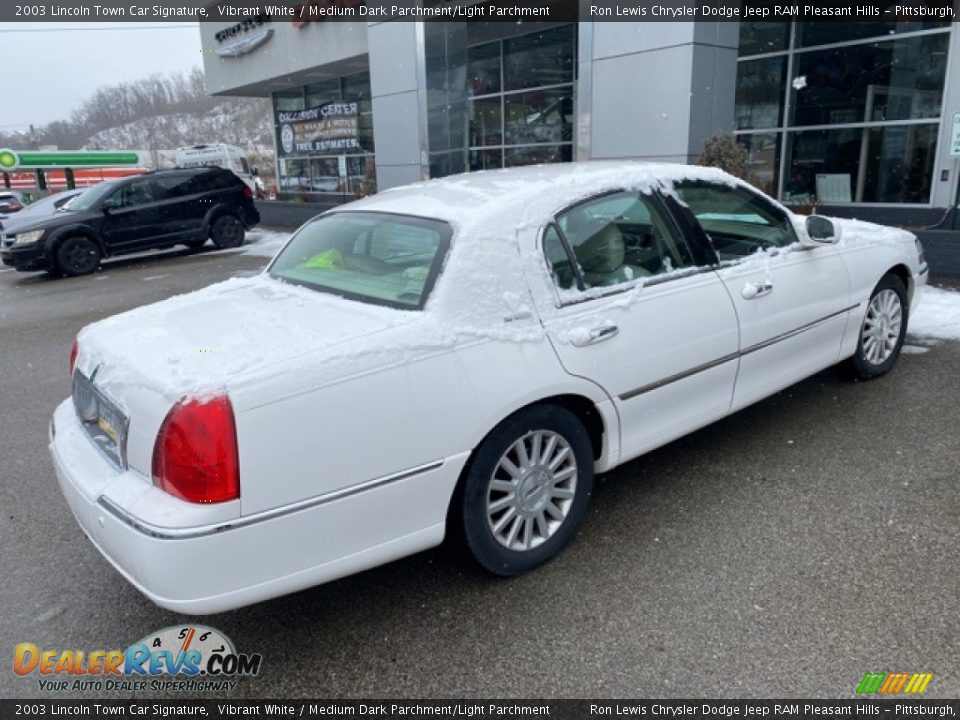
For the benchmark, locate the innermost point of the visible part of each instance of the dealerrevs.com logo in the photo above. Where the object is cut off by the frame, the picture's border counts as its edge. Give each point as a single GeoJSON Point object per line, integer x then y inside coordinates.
{"type": "Point", "coordinates": [182, 658]}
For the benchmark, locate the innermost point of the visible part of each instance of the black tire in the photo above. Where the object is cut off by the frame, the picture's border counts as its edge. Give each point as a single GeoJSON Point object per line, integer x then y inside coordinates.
{"type": "Point", "coordinates": [875, 356]}
{"type": "Point", "coordinates": [227, 232]}
{"type": "Point", "coordinates": [78, 255]}
{"type": "Point", "coordinates": [548, 535]}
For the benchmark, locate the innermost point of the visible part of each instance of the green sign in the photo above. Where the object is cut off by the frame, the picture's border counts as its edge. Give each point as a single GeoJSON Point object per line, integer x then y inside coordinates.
{"type": "Point", "coordinates": [35, 159]}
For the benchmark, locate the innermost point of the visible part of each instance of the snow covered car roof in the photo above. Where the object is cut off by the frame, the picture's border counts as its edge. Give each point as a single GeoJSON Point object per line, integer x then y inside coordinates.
{"type": "Point", "coordinates": [533, 194]}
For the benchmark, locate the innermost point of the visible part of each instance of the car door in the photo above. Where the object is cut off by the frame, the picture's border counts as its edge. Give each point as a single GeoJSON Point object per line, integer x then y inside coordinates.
{"type": "Point", "coordinates": [792, 301]}
{"type": "Point", "coordinates": [132, 217]}
{"type": "Point", "coordinates": [636, 312]}
{"type": "Point", "coordinates": [186, 198]}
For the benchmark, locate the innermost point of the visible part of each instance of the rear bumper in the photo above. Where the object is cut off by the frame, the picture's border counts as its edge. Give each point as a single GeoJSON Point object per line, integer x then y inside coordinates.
{"type": "Point", "coordinates": [251, 216]}
{"type": "Point", "coordinates": [207, 569]}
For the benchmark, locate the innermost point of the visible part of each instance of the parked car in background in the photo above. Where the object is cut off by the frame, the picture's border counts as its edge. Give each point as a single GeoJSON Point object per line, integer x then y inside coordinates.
{"type": "Point", "coordinates": [154, 210]}
{"type": "Point", "coordinates": [456, 356]}
{"type": "Point", "coordinates": [43, 207]}
{"type": "Point", "coordinates": [11, 201]}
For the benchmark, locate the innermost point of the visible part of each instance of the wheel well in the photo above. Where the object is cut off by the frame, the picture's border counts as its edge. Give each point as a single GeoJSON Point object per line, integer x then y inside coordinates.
{"type": "Point", "coordinates": [60, 239]}
{"type": "Point", "coordinates": [582, 407]}
{"type": "Point", "coordinates": [902, 272]}
{"type": "Point", "coordinates": [216, 214]}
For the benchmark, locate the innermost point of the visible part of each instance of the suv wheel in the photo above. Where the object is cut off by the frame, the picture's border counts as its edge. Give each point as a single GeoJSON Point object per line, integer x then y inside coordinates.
{"type": "Point", "coordinates": [78, 255]}
{"type": "Point", "coordinates": [227, 232]}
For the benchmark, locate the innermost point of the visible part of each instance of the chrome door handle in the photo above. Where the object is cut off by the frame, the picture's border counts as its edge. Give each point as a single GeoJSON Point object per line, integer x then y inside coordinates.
{"type": "Point", "coordinates": [755, 290]}
{"type": "Point", "coordinates": [597, 334]}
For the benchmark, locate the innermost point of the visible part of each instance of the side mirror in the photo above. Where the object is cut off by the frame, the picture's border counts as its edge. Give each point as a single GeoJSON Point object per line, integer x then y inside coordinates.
{"type": "Point", "coordinates": [822, 231]}
{"type": "Point", "coordinates": [107, 205]}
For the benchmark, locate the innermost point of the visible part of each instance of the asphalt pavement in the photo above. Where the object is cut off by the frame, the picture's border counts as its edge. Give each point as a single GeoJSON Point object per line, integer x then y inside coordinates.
{"type": "Point", "coordinates": [783, 552]}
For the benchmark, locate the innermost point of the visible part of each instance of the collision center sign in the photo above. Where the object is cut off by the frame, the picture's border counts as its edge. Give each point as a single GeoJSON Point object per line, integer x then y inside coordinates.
{"type": "Point", "coordinates": [329, 128]}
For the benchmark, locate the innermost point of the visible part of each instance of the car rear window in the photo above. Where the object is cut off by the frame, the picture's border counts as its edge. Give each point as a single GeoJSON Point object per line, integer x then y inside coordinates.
{"type": "Point", "coordinates": [379, 258]}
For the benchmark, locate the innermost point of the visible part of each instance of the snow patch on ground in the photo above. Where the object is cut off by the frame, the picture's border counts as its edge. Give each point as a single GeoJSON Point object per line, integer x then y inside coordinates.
{"type": "Point", "coordinates": [261, 242]}
{"type": "Point", "coordinates": [937, 315]}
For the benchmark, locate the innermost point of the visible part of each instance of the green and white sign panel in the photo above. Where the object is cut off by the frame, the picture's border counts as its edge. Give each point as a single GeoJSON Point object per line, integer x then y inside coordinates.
{"type": "Point", "coordinates": [59, 159]}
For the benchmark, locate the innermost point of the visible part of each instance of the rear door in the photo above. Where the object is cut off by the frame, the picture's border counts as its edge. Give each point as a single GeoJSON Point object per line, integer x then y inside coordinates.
{"type": "Point", "coordinates": [792, 302]}
{"type": "Point", "coordinates": [639, 312]}
{"type": "Point", "coordinates": [185, 201]}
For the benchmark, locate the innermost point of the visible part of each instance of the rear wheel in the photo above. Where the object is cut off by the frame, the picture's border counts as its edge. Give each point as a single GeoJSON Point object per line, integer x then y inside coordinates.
{"type": "Point", "coordinates": [527, 490]}
{"type": "Point", "coordinates": [227, 232]}
{"type": "Point", "coordinates": [883, 330]}
{"type": "Point", "coordinates": [78, 255]}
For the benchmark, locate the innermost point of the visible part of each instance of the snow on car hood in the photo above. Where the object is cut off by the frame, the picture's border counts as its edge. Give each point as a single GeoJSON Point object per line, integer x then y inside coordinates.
{"type": "Point", "coordinates": [212, 339]}
{"type": "Point", "coordinates": [853, 231]}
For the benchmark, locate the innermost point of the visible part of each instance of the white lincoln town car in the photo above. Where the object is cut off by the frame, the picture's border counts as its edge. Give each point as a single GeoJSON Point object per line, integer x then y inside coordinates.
{"type": "Point", "coordinates": [456, 356]}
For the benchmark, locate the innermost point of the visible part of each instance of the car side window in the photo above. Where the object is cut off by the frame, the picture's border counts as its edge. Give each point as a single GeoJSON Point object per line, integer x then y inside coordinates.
{"type": "Point", "coordinates": [614, 239]}
{"type": "Point", "coordinates": [737, 221]}
{"type": "Point", "coordinates": [173, 186]}
{"type": "Point", "coordinates": [139, 192]}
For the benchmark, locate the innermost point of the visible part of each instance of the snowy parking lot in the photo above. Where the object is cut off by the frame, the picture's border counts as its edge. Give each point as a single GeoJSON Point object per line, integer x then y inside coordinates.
{"type": "Point", "coordinates": [786, 550]}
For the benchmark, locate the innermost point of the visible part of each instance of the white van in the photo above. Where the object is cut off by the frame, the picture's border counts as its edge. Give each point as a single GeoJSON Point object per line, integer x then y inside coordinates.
{"type": "Point", "coordinates": [225, 156]}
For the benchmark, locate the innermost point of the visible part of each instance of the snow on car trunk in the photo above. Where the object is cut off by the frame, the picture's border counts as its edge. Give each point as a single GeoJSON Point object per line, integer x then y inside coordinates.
{"type": "Point", "coordinates": [204, 342]}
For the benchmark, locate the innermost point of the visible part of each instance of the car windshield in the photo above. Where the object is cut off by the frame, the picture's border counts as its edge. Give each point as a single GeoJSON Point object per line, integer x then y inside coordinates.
{"type": "Point", "coordinates": [90, 197]}
{"type": "Point", "coordinates": [373, 257]}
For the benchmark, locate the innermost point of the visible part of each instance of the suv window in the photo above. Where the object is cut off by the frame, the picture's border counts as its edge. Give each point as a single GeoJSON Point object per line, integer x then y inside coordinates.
{"type": "Point", "coordinates": [614, 239]}
{"type": "Point", "coordinates": [172, 186]}
{"type": "Point", "coordinates": [138, 192]}
{"type": "Point", "coordinates": [737, 222]}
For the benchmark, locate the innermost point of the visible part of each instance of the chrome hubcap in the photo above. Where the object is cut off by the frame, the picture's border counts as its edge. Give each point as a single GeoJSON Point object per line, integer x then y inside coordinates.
{"type": "Point", "coordinates": [531, 490]}
{"type": "Point", "coordinates": [881, 327]}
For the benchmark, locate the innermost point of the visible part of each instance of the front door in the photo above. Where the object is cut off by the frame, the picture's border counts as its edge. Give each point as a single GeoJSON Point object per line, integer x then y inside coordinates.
{"type": "Point", "coordinates": [792, 301]}
{"type": "Point", "coordinates": [134, 218]}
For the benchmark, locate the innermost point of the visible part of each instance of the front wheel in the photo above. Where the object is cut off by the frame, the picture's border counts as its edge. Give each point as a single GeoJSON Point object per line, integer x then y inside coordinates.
{"type": "Point", "coordinates": [227, 232]}
{"type": "Point", "coordinates": [883, 330]}
{"type": "Point", "coordinates": [78, 255]}
{"type": "Point", "coordinates": [527, 490]}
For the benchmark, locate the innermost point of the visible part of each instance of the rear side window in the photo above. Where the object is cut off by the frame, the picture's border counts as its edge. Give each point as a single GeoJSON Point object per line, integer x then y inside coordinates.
{"type": "Point", "coordinates": [737, 222]}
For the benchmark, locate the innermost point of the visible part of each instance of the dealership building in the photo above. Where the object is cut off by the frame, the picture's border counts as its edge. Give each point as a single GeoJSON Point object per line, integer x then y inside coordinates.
{"type": "Point", "coordinates": [854, 115]}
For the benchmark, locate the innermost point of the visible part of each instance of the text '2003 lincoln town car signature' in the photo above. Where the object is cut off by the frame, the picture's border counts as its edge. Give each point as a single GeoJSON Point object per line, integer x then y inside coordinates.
{"type": "Point", "coordinates": [462, 354]}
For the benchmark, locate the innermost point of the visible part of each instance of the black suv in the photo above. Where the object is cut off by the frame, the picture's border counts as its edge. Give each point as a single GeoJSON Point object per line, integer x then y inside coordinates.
{"type": "Point", "coordinates": [158, 209]}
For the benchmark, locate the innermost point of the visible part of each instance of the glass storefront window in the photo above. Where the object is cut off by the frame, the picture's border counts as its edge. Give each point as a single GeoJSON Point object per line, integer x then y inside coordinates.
{"type": "Point", "coordinates": [536, 154]}
{"type": "Point", "coordinates": [538, 116]}
{"type": "Point", "coordinates": [763, 159]}
{"type": "Point", "coordinates": [810, 33]}
{"type": "Point", "coordinates": [357, 88]}
{"type": "Point", "coordinates": [894, 80]}
{"type": "Point", "coordinates": [323, 92]}
{"type": "Point", "coordinates": [892, 164]}
{"type": "Point", "coordinates": [486, 159]}
{"type": "Point", "coordinates": [760, 90]}
{"type": "Point", "coordinates": [289, 99]}
{"type": "Point", "coordinates": [763, 37]}
{"type": "Point", "coordinates": [486, 122]}
{"type": "Point", "coordinates": [532, 107]}
{"type": "Point", "coordinates": [318, 172]}
{"type": "Point", "coordinates": [543, 58]}
{"type": "Point", "coordinates": [483, 69]}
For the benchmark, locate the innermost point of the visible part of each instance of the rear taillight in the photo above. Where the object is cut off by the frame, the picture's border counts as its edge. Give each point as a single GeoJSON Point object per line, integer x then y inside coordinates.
{"type": "Point", "coordinates": [248, 192]}
{"type": "Point", "coordinates": [195, 456]}
{"type": "Point", "coordinates": [73, 356]}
